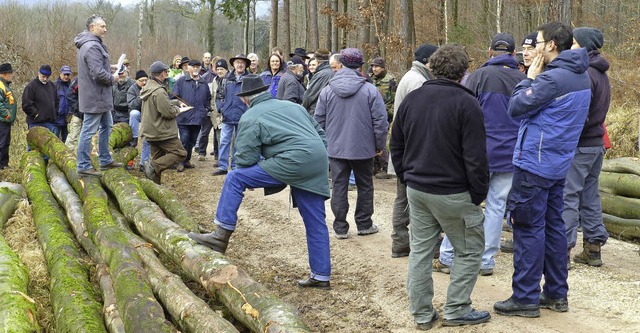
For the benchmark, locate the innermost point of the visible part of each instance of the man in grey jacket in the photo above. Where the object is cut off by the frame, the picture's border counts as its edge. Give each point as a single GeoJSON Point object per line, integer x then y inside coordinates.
{"type": "Point", "coordinates": [96, 99]}
{"type": "Point", "coordinates": [319, 80]}
{"type": "Point", "coordinates": [353, 115]}
{"type": "Point", "coordinates": [291, 87]}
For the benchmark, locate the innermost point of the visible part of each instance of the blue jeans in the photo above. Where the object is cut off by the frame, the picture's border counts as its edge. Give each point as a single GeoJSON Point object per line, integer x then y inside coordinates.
{"type": "Point", "coordinates": [135, 117]}
{"type": "Point", "coordinates": [539, 239]}
{"type": "Point", "coordinates": [188, 137]}
{"type": "Point", "coordinates": [496, 203]}
{"type": "Point", "coordinates": [310, 206]}
{"type": "Point", "coordinates": [226, 142]}
{"type": "Point", "coordinates": [90, 125]}
{"type": "Point", "coordinates": [582, 199]}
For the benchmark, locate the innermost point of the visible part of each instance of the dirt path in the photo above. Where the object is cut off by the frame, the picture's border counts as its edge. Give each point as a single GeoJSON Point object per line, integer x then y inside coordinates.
{"type": "Point", "coordinates": [369, 287]}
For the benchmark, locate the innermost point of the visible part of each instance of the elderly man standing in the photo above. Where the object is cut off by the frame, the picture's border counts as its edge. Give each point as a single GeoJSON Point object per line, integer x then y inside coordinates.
{"type": "Point", "coordinates": [278, 145]}
{"type": "Point", "coordinates": [291, 87]}
{"type": "Point", "coordinates": [40, 101]}
{"type": "Point", "coordinates": [8, 109]}
{"type": "Point", "coordinates": [96, 99]}
{"type": "Point", "coordinates": [353, 114]}
{"type": "Point", "coordinates": [62, 87]}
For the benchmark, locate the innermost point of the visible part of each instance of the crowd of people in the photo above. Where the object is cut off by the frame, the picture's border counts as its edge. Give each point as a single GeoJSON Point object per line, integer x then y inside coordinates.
{"type": "Point", "coordinates": [523, 133]}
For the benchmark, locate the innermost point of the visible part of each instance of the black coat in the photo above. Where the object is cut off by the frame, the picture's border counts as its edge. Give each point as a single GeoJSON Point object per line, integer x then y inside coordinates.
{"type": "Point", "coordinates": [40, 102]}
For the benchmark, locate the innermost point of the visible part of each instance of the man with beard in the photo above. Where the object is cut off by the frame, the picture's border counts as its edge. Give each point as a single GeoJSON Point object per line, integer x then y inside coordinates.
{"type": "Point", "coordinates": [291, 87]}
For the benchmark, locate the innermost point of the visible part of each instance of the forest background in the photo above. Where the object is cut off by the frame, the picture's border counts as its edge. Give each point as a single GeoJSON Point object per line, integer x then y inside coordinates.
{"type": "Point", "coordinates": [35, 33]}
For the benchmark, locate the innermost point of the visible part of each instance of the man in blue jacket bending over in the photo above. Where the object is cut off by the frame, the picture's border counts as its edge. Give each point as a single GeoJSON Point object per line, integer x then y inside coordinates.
{"type": "Point", "coordinates": [553, 103]}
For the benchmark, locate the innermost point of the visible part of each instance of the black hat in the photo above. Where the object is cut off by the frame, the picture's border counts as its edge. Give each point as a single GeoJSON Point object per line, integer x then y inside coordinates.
{"type": "Point", "coordinates": [251, 85]}
{"type": "Point", "coordinates": [195, 62]}
{"type": "Point", "coordinates": [530, 39]}
{"type": "Point", "coordinates": [221, 63]}
{"type": "Point", "coordinates": [6, 68]}
{"type": "Point", "coordinates": [378, 62]}
{"type": "Point", "coordinates": [322, 54]}
{"type": "Point", "coordinates": [302, 53]}
{"type": "Point", "coordinates": [296, 60]}
{"type": "Point", "coordinates": [240, 57]}
{"type": "Point", "coordinates": [158, 67]}
{"type": "Point", "coordinates": [503, 42]}
{"type": "Point", "coordinates": [589, 38]}
{"type": "Point", "coordinates": [184, 60]}
{"type": "Point", "coordinates": [140, 74]}
{"type": "Point", "coordinates": [45, 70]}
{"type": "Point", "coordinates": [424, 51]}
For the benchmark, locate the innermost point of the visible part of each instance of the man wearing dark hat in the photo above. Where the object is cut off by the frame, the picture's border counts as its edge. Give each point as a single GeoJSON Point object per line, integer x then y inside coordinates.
{"type": "Point", "coordinates": [354, 138]}
{"type": "Point", "coordinates": [581, 196]}
{"type": "Point", "coordinates": [96, 99]}
{"type": "Point", "coordinates": [291, 87]}
{"type": "Point", "coordinates": [194, 91]}
{"type": "Point", "coordinates": [62, 87]}
{"type": "Point", "coordinates": [319, 80]}
{"type": "Point", "coordinates": [386, 84]}
{"type": "Point", "coordinates": [40, 101]}
{"type": "Point", "coordinates": [412, 80]}
{"type": "Point", "coordinates": [221, 70]}
{"type": "Point", "coordinates": [135, 114]}
{"type": "Point", "coordinates": [8, 109]}
{"type": "Point", "coordinates": [529, 51]}
{"type": "Point", "coordinates": [300, 52]}
{"type": "Point", "coordinates": [278, 144]}
{"type": "Point", "coordinates": [492, 84]}
{"type": "Point", "coordinates": [232, 109]}
{"type": "Point", "coordinates": [158, 126]}
{"type": "Point", "coordinates": [184, 68]}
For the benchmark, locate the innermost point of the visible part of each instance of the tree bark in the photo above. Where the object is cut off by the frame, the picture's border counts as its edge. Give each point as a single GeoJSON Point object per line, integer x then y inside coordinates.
{"type": "Point", "coordinates": [334, 27]}
{"type": "Point", "coordinates": [121, 136]}
{"type": "Point", "coordinates": [627, 185]}
{"type": "Point", "coordinates": [169, 204]}
{"type": "Point", "coordinates": [286, 25]}
{"type": "Point", "coordinates": [627, 208]}
{"type": "Point", "coordinates": [10, 196]}
{"type": "Point", "coordinates": [139, 309]}
{"type": "Point", "coordinates": [273, 26]}
{"type": "Point", "coordinates": [328, 43]}
{"type": "Point", "coordinates": [622, 165]}
{"type": "Point", "coordinates": [248, 301]}
{"type": "Point", "coordinates": [565, 12]}
{"type": "Point", "coordinates": [211, 28]}
{"type": "Point", "coordinates": [139, 45]}
{"type": "Point", "coordinates": [69, 275]}
{"type": "Point", "coordinates": [626, 229]}
{"type": "Point", "coordinates": [313, 36]}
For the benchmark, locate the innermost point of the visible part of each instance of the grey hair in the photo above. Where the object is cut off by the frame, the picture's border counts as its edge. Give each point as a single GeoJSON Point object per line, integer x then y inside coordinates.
{"type": "Point", "coordinates": [93, 19]}
{"type": "Point", "coordinates": [335, 58]}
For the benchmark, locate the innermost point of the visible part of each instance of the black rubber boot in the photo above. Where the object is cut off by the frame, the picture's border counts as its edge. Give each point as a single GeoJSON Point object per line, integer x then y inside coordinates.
{"type": "Point", "coordinates": [216, 240]}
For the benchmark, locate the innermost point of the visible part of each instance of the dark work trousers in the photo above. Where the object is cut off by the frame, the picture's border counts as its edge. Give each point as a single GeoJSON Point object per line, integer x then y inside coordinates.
{"type": "Point", "coordinates": [539, 239]}
{"type": "Point", "coordinates": [400, 220]}
{"type": "Point", "coordinates": [5, 141]}
{"type": "Point", "coordinates": [340, 170]}
{"type": "Point", "coordinates": [203, 137]}
{"type": "Point", "coordinates": [188, 137]}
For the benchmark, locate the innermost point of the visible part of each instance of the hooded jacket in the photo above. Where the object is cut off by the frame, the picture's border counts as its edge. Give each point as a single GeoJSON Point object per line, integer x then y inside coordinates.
{"type": "Point", "coordinates": [493, 84]}
{"type": "Point", "coordinates": [63, 104]}
{"type": "Point", "coordinates": [553, 109]}
{"type": "Point", "coordinates": [290, 88]}
{"type": "Point", "coordinates": [353, 115]}
{"type": "Point", "coordinates": [320, 79]}
{"type": "Point", "coordinates": [40, 102]}
{"type": "Point", "coordinates": [272, 80]}
{"type": "Point", "coordinates": [197, 94]}
{"type": "Point", "coordinates": [158, 114]}
{"type": "Point", "coordinates": [8, 105]}
{"type": "Point", "coordinates": [94, 74]}
{"type": "Point", "coordinates": [233, 107]}
{"type": "Point", "coordinates": [593, 132]}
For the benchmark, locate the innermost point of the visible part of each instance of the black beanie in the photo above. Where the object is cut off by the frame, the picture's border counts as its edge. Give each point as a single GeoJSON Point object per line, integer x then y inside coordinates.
{"type": "Point", "coordinates": [140, 74]}
{"type": "Point", "coordinates": [424, 51]}
{"type": "Point", "coordinates": [222, 63]}
{"type": "Point", "coordinates": [589, 38]}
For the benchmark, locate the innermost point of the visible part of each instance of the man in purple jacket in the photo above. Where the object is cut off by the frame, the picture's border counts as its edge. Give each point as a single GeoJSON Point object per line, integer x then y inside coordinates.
{"type": "Point", "coordinates": [353, 115]}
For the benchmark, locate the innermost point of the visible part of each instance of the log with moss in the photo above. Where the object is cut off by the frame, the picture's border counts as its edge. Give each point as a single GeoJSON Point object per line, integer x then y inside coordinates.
{"type": "Point", "coordinates": [10, 196]}
{"type": "Point", "coordinates": [627, 229]}
{"type": "Point", "coordinates": [627, 208]}
{"type": "Point", "coordinates": [622, 165]}
{"type": "Point", "coordinates": [121, 136]}
{"type": "Point", "coordinates": [73, 208]}
{"type": "Point", "coordinates": [138, 307]}
{"type": "Point", "coordinates": [169, 204]}
{"type": "Point", "coordinates": [73, 299]}
{"type": "Point", "coordinates": [249, 302]}
{"type": "Point", "coordinates": [190, 312]}
{"type": "Point", "coordinates": [624, 184]}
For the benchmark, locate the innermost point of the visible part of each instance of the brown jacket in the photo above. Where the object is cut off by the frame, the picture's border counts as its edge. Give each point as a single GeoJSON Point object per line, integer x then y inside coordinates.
{"type": "Point", "coordinates": [158, 113]}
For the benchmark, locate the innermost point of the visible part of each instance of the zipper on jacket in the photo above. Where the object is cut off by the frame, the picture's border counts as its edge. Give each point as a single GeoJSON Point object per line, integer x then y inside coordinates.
{"type": "Point", "coordinates": [540, 148]}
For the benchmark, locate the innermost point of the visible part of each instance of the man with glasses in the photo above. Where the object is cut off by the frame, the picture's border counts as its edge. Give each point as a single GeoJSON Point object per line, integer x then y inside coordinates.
{"type": "Point", "coordinates": [552, 105]}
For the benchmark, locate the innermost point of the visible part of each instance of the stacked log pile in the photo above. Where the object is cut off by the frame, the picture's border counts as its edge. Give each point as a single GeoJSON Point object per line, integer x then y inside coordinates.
{"type": "Point", "coordinates": [137, 289]}
{"type": "Point", "coordinates": [620, 196]}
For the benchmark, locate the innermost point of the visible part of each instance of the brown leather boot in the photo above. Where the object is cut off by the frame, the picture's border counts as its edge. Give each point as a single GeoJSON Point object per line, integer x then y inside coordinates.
{"type": "Point", "coordinates": [217, 240]}
{"type": "Point", "coordinates": [590, 255]}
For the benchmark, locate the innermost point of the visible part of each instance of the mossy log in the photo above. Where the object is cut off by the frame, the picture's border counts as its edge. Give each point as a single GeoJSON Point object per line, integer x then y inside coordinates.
{"type": "Point", "coordinates": [169, 204]}
{"type": "Point", "coordinates": [74, 302]}
{"type": "Point", "coordinates": [627, 229]}
{"type": "Point", "coordinates": [121, 136]}
{"type": "Point", "coordinates": [249, 302]}
{"type": "Point", "coordinates": [627, 208]}
{"type": "Point", "coordinates": [622, 165]}
{"type": "Point", "coordinates": [10, 196]}
{"type": "Point", "coordinates": [73, 207]}
{"type": "Point", "coordinates": [139, 309]}
{"type": "Point", "coordinates": [190, 312]}
{"type": "Point", "coordinates": [624, 184]}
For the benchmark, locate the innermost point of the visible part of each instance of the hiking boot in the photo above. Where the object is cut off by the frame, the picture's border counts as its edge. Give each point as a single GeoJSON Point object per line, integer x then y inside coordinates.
{"type": "Point", "coordinates": [189, 165]}
{"type": "Point", "coordinates": [555, 304]}
{"type": "Point", "coordinates": [342, 236]}
{"type": "Point", "coordinates": [90, 172]}
{"type": "Point", "coordinates": [216, 240]}
{"type": "Point", "coordinates": [486, 271]}
{"type": "Point", "coordinates": [427, 326]}
{"type": "Point", "coordinates": [313, 283]}
{"type": "Point", "coordinates": [111, 165]}
{"type": "Point", "coordinates": [150, 173]}
{"type": "Point", "coordinates": [472, 318]}
{"type": "Point", "coordinates": [506, 246]}
{"type": "Point", "coordinates": [202, 157]}
{"type": "Point", "coordinates": [512, 308]}
{"type": "Point", "coordinates": [590, 255]}
{"type": "Point", "coordinates": [438, 266]}
{"type": "Point", "coordinates": [402, 252]}
{"type": "Point", "coordinates": [219, 172]}
{"type": "Point", "coordinates": [180, 167]}
{"type": "Point", "coordinates": [369, 231]}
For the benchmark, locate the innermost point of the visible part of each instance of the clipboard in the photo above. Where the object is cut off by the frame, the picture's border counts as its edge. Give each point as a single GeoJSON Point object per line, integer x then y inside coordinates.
{"type": "Point", "coordinates": [185, 108]}
{"type": "Point", "coordinates": [120, 65]}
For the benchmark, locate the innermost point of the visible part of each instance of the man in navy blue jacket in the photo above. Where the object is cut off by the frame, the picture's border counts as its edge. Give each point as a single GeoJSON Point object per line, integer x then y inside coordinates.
{"type": "Point", "coordinates": [552, 103]}
{"type": "Point", "coordinates": [493, 84]}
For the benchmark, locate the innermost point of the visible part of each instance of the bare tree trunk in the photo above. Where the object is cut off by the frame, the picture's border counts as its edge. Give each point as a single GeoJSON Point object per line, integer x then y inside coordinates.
{"type": "Point", "coordinates": [211, 41]}
{"type": "Point", "coordinates": [365, 28]}
{"type": "Point", "coordinates": [246, 26]}
{"type": "Point", "coordinates": [455, 13]}
{"type": "Point", "coordinates": [407, 30]}
{"type": "Point", "coordinates": [498, 15]}
{"type": "Point", "coordinates": [313, 36]}
{"type": "Point", "coordinates": [334, 28]}
{"type": "Point", "coordinates": [151, 17]}
{"type": "Point", "coordinates": [253, 32]}
{"type": "Point", "coordinates": [139, 47]}
{"type": "Point", "coordinates": [328, 43]}
{"type": "Point", "coordinates": [345, 10]}
{"type": "Point", "coordinates": [565, 12]}
{"type": "Point", "coordinates": [579, 13]}
{"type": "Point", "coordinates": [445, 21]}
{"type": "Point", "coordinates": [273, 26]}
{"type": "Point", "coordinates": [286, 22]}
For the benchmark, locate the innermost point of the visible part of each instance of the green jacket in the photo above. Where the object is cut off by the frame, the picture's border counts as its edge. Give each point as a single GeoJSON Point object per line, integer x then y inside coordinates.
{"type": "Point", "coordinates": [158, 114]}
{"type": "Point", "coordinates": [8, 106]}
{"type": "Point", "coordinates": [292, 143]}
{"type": "Point", "coordinates": [387, 86]}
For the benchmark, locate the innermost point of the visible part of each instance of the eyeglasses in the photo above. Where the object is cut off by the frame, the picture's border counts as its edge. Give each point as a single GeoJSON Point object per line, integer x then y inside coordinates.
{"type": "Point", "coordinates": [542, 41]}
{"type": "Point", "coordinates": [66, 74]}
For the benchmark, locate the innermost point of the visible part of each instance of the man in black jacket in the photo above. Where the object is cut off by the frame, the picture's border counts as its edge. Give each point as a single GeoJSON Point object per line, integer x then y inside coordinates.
{"type": "Point", "coordinates": [438, 149]}
{"type": "Point", "coordinates": [40, 101]}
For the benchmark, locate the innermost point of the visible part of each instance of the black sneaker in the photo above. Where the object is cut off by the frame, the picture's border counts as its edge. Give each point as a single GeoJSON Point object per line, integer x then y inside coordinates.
{"type": "Point", "coordinates": [472, 318]}
{"type": "Point", "coordinates": [90, 172]}
{"type": "Point", "coordinates": [428, 325]}
{"type": "Point", "coordinates": [219, 172]}
{"type": "Point", "coordinates": [313, 283]}
{"type": "Point", "coordinates": [512, 308]}
{"type": "Point", "coordinates": [557, 304]}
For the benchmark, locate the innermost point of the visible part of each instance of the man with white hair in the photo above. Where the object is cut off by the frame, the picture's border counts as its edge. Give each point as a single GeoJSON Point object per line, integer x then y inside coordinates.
{"type": "Point", "coordinates": [255, 62]}
{"type": "Point", "coordinates": [291, 87]}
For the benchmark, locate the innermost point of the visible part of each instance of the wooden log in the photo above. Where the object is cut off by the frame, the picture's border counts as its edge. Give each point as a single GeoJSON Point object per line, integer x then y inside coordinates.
{"type": "Point", "coordinates": [10, 196]}
{"type": "Point", "coordinates": [190, 312]}
{"type": "Point", "coordinates": [73, 208]}
{"type": "Point", "coordinates": [121, 136]}
{"type": "Point", "coordinates": [169, 204]}
{"type": "Point", "coordinates": [628, 208]}
{"type": "Point", "coordinates": [139, 309]}
{"type": "Point", "coordinates": [624, 184]}
{"type": "Point", "coordinates": [74, 302]}
{"type": "Point", "coordinates": [622, 165]}
{"type": "Point", "coordinates": [249, 302]}
{"type": "Point", "coordinates": [627, 229]}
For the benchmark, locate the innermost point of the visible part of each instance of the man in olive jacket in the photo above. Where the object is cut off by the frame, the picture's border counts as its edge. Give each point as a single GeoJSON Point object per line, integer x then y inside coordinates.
{"type": "Point", "coordinates": [294, 149]}
{"type": "Point", "coordinates": [159, 125]}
